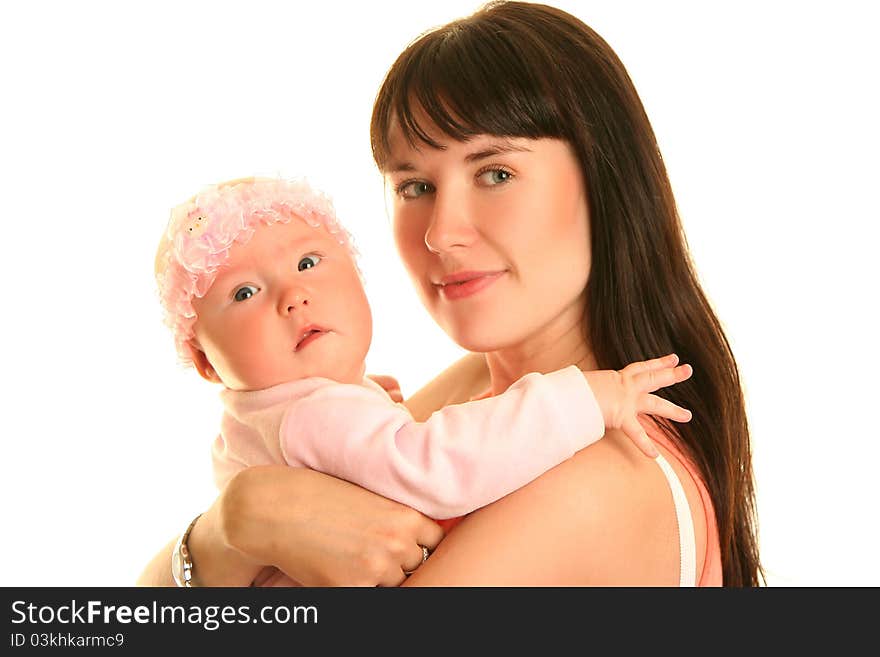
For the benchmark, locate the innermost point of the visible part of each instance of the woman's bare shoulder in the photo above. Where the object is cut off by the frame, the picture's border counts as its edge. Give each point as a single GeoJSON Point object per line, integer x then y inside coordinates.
{"type": "Point", "coordinates": [604, 517]}
{"type": "Point", "coordinates": [459, 382]}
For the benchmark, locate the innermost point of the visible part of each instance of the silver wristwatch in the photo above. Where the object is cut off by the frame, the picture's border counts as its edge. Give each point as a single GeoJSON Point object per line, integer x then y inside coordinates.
{"type": "Point", "coordinates": [181, 561]}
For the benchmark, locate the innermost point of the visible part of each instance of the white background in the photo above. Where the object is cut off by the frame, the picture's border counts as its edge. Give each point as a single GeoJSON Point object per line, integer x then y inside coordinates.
{"type": "Point", "coordinates": [113, 112]}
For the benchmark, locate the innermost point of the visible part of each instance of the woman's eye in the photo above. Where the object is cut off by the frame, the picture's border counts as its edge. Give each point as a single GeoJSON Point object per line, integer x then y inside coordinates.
{"type": "Point", "coordinates": [492, 177]}
{"type": "Point", "coordinates": [245, 292]}
{"type": "Point", "coordinates": [414, 189]}
{"type": "Point", "coordinates": [307, 262]}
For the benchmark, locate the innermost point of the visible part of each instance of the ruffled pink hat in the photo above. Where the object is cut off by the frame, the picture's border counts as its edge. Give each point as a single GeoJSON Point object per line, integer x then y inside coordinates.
{"type": "Point", "coordinates": [202, 230]}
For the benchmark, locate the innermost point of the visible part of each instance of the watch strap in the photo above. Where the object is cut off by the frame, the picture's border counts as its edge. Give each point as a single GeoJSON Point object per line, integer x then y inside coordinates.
{"type": "Point", "coordinates": [181, 559]}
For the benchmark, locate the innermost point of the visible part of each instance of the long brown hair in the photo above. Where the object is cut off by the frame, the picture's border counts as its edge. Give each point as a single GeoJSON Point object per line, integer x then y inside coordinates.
{"type": "Point", "coordinates": [525, 70]}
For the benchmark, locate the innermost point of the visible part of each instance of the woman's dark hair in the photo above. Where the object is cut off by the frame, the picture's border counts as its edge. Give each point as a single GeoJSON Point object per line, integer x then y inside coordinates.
{"type": "Point", "coordinates": [518, 69]}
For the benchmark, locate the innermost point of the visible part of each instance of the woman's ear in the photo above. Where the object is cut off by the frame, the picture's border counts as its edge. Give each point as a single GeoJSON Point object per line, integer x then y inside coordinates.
{"type": "Point", "coordinates": [200, 360]}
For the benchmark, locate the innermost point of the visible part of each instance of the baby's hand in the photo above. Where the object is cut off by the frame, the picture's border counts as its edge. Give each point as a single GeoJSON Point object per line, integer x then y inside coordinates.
{"type": "Point", "coordinates": [623, 395]}
{"type": "Point", "coordinates": [389, 384]}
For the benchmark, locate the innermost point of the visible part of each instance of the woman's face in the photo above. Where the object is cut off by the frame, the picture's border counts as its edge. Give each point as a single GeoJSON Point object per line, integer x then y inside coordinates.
{"type": "Point", "coordinates": [495, 235]}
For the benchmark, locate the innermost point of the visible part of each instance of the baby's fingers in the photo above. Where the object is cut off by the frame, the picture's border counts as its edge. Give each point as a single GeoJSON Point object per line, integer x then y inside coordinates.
{"type": "Point", "coordinates": [389, 384]}
{"type": "Point", "coordinates": [654, 380]}
{"type": "Point", "coordinates": [636, 433]}
{"type": "Point", "coordinates": [654, 405]}
{"type": "Point", "coordinates": [642, 366]}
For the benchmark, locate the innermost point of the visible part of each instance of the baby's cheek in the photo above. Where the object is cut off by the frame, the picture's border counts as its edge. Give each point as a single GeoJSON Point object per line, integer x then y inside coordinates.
{"type": "Point", "coordinates": [254, 362]}
{"type": "Point", "coordinates": [364, 322]}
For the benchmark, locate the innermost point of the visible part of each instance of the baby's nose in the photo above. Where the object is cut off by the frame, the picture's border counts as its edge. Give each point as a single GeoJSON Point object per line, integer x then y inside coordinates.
{"type": "Point", "coordinates": [294, 298]}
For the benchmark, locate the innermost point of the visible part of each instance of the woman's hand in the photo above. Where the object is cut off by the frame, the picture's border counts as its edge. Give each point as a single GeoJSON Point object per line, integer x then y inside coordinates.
{"type": "Point", "coordinates": [623, 395]}
{"type": "Point", "coordinates": [320, 530]}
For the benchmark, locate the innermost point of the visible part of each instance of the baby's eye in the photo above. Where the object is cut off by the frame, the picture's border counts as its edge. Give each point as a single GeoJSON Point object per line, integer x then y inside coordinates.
{"type": "Point", "coordinates": [245, 292]}
{"type": "Point", "coordinates": [414, 188]}
{"type": "Point", "coordinates": [307, 262]}
{"type": "Point", "coordinates": [492, 177]}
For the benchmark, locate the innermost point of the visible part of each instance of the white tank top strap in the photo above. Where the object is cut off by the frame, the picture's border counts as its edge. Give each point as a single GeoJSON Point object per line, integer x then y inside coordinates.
{"type": "Point", "coordinates": [686, 541]}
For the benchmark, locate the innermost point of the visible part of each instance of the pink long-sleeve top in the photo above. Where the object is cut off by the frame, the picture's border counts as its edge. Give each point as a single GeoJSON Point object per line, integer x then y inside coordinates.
{"type": "Point", "coordinates": [463, 457]}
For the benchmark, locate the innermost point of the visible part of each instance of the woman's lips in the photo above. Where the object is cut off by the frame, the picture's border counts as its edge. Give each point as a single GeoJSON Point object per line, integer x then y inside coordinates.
{"type": "Point", "coordinates": [467, 283]}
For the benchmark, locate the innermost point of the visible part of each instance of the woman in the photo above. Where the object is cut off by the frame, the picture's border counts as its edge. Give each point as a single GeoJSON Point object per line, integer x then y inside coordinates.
{"type": "Point", "coordinates": [533, 212]}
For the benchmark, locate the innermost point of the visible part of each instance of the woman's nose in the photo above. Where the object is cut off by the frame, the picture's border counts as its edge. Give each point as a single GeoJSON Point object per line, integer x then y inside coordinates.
{"type": "Point", "coordinates": [450, 226]}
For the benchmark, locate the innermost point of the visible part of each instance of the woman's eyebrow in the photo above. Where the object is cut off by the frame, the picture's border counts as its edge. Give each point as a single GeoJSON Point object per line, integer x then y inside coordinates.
{"type": "Point", "coordinates": [491, 150]}
{"type": "Point", "coordinates": [495, 149]}
{"type": "Point", "coordinates": [400, 167]}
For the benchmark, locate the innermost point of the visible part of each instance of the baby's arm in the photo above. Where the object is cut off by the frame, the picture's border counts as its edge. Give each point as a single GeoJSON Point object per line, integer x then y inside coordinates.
{"type": "Point", "coordinates": [467, 455]}
{"type": "Point", "coordinates": [463, 457]}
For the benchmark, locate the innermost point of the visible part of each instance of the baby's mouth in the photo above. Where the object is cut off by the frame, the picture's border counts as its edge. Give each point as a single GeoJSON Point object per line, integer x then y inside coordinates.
{"type": "Point", "coordinates": [309, 335]}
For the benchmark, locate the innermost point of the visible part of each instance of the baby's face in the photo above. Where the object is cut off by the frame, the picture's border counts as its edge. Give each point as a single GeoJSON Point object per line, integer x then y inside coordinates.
{"type": "Point", "coordinates": [289, 304]}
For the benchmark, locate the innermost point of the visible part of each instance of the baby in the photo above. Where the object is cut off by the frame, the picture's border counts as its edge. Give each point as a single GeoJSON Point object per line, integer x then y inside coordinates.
{"type": "Point", "coordinates": [261, 289]}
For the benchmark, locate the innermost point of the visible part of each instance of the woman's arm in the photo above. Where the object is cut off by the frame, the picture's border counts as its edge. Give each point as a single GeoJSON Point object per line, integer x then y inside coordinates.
{"type": "Point", "coordinates": [319, 530]}
{"type": "Point", "coordinates": [604, 517]}
{"type": "Point", "coordinates": [158, 571]}
{"type": "Point", "coordinates": [218, 564]}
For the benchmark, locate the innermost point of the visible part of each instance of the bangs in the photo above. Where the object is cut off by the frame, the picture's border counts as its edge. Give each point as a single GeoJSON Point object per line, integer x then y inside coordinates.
{"type": "Point", "coordinates": [471, 78]}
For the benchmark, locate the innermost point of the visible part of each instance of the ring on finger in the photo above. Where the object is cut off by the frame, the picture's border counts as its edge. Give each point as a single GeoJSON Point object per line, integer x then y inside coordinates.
{"type": "Point", "coordinates": [425, 554]}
